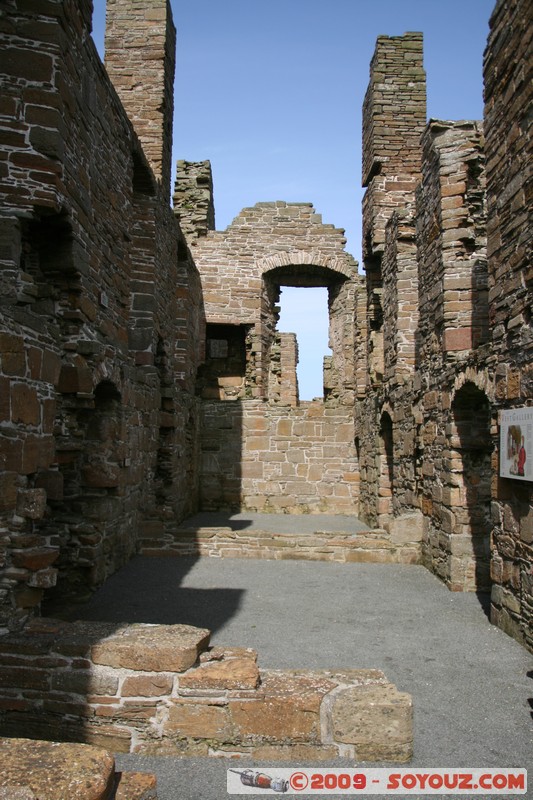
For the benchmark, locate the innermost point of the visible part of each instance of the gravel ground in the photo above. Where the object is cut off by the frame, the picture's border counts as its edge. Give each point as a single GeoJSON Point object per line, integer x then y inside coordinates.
{"type": "Point", "coordinates": [472, 685]}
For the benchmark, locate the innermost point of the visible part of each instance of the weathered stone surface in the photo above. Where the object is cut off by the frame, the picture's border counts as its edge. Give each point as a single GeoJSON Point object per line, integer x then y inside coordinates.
{"type": "Point", "coordinates": [136, 786]}
{"type": "Point", "coordinates": [55, 771]}
{"type": "Point", "coordinates": [35, 558]}
{"type": "Point", "coordinates": [147, 685]}
{"type": "Point", "coordinates": [377, 720]}
{"type": "Point", "coordinates": [16, 793]}
{"type": "Point", "coordinates": [31, 503]}
{"type": "Point", "coordinates": [199, 721]}
{"type": "Point", "coordinates": [152, 648]}
{"type": "Point", "coordinates": [227, 671]}
{"type": "Point", "coordinates": [287, 708]}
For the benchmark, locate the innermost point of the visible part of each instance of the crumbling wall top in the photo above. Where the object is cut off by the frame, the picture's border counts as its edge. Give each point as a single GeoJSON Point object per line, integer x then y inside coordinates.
{"type": "Point", "coordinates": [394, 109]}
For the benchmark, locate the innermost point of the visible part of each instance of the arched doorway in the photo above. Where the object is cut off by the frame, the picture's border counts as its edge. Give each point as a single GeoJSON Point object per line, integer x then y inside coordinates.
{"type": "Point", "coordinates": [385, 469]}
{"type": "Point", "coordinates": [470, 495]}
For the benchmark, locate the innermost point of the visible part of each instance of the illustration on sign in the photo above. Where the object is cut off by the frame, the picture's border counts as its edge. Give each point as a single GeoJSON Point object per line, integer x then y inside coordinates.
{"type": "Point", "coordinates": [516, 444]}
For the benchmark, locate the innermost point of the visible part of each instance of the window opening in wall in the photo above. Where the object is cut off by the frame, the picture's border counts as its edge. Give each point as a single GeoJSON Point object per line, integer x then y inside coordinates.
{"type": "Point", "coordinates": [304, 311]}
{"type": "Point", "coordinates": [222, 376]}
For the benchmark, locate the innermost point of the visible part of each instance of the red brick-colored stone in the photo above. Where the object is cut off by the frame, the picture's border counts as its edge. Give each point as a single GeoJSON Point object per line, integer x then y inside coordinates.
{"type": "Point", "coordinates": [12, 351]}
{"type": "Point", "coordinates": [136, 786]}
{"type": "Point", "coordinates": [75, 379]}
{"type": "Point", "coordinates": [35, 558]}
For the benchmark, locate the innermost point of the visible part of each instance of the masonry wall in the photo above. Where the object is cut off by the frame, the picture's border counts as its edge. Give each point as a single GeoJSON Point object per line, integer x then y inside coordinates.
{"type": "Point", "coordinates": [394, 115]}
{"type": "Point", "coordinates": [161, 690]}
{"type": "Point", "coordinates": [508, 95]}
{"type": "Point", "coordinates": [140, 47]}
{"type": "Point", "coordinates": [427, 427]}
{"type": "Point", "coordinates": [261, 448]}
{"type": "Point", "coordinates": [278, 459]}
{"type": "Point", "coordinates": [99, 324]}
{"type": "Point", "coordinates": [448, 337]}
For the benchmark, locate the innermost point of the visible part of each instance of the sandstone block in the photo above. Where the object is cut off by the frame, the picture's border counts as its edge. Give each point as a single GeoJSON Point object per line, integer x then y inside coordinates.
{"type": "Point", "coordinates": [74, 379]}
{"type": "Point", "coordinates": [136, 786]}
{"type": "Point", "coordinates": [83, 682]}
{"type": "Point", "coordinates": [457, 339]}
{"type": "Point", "coordinates": [8, 490]}
{"type": "Point", "coordinates": [24, 404]}
{"type": "Point", "coordinates": [110, 736]}
{"type": "Point", "coordinates": [12, 351]}
{"type": "Point", "coordinates": [274, 719]}
{"type": "Point", "coordinates": [51, 367]}
{"type": "Point", "coordinates": [147, 685]}
{"type": "Point", "coordinates": [27, 597]}
{"type": "Point", "coordinates": [199, 721]}
{"type": "Point", "coordinates": [54, 771]}
{"type": "Point", "coordinates": [25, 678]}
{"type": "Point", "coordinates": [101, 475]}
{"type": "Point", "coordinates": [43, 578]}
{"type": "Point", "coordinates": [230, 673]}
{"type": "Point", "coordinates": [51, 482]}
{"type": "Point", "coordinates": [377, 720]}
{"type": "Point", "coordinates": [35, 558]}
{"type": "Point", "coordinates": [287, 708]}
{"type": "Point", "coordinates": [407, 528]}
{"type": "Point", "coordinates": [152, 648]}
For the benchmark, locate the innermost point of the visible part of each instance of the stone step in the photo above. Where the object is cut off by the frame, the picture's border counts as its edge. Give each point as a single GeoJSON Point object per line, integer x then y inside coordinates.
{"type": "Point", "coordinates": [372, 545]}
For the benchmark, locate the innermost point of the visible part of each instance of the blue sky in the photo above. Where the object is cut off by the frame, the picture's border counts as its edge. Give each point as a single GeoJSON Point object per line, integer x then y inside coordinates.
{"type": "Point", "coordinates": [271, 92]}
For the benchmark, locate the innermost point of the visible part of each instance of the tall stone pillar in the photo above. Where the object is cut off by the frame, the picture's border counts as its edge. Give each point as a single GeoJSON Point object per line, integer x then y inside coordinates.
{"type": "Point", "coordinates": [394, 118]}
{"type": "Point", "coordinates": [140, 48]}
{"type": "Point", "coordinates": [193, 198]}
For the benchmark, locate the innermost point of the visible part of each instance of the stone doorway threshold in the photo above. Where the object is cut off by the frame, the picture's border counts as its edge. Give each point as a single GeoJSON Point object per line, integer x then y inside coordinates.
{"type": "Point", "coordinates": [276, 523]}
{"type": "Point", "coordinates": [311, 537]}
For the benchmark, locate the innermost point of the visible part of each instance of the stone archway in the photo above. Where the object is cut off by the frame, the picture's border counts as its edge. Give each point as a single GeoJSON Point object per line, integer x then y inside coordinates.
{"type": "Point", "coordinates": [294, 270]}
{"type": "Point", "coordinates": [385, 469]}
{"type": "Point", "coordinates": [470, 491]}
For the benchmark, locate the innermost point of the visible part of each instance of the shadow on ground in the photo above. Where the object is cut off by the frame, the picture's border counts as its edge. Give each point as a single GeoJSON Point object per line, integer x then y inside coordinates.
{"type": "Point", "coordinates": [135, 594]}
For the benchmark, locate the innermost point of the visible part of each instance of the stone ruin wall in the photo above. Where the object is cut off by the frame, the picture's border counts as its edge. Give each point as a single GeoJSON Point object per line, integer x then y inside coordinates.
{"type": "Point", "coordinates": [98, 362]}
{"type": "Point", "coordinates": [455, 491]}
{"type": "Point", "coordinates": [271, 458]}
{"type": "Point", "coordinates": [261, 449]}
{"type": "Point", "coordinates": [508, 98]}
{"type": "Point", "coordinates": [161, 690]}
{"type": "Point", "coordinates": [394, 116]}
{"type": "Point", "coordinates": [102, 334]}
{"type": "Point", "coordinates": [441, 368]}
